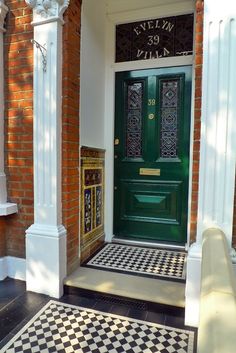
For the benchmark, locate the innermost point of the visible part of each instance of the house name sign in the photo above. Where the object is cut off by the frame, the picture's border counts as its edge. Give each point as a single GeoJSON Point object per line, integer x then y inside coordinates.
{"type": "Point", "coordinates": [152, 39]}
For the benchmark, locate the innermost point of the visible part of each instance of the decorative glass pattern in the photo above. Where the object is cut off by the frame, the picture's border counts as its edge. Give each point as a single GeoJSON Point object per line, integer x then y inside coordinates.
{"type": "Point", "coordinates": [134, 120]}
{"type": "Point", "coordinates": [169, 118]}
{"type": "Point", "coordinates": [152, 39]}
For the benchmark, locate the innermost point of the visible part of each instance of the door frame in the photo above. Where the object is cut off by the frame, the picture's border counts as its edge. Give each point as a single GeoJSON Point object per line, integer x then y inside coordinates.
{"type": "Point", "coordinates": [112, 20]}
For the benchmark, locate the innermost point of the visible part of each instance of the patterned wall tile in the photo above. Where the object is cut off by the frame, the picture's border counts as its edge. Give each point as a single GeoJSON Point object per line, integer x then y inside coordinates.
{"type": "Point", "coordinates": [92, 202]}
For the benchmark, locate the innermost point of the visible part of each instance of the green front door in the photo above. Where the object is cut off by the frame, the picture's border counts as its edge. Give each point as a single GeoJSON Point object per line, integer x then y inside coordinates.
{"type": "Point", "coordinates": [151, 154]}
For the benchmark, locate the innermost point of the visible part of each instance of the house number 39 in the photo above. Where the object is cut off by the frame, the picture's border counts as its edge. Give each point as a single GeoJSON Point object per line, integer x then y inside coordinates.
{"type": "Point", "coordinates": [153, 40]}
{"type": "Point", "coordinates": [151, 102]}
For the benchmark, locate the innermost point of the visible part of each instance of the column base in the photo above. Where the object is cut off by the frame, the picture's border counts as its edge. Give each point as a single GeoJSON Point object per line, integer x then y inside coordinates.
{"type": "Point", "coordinates": [46, 259]}
{"type": "Point", "coordinates": [193, 285]}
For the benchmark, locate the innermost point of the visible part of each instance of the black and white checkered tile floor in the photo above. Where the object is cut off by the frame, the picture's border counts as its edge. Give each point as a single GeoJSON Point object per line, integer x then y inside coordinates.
{"type": "Point", "coordinates": [140, 260]}
{"type": "Point", "coordinates": [65, 328]}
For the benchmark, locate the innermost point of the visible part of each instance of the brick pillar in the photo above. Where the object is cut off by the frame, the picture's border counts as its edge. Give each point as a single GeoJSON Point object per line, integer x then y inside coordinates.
{"type": "Point", "coordinates": [197, 116]}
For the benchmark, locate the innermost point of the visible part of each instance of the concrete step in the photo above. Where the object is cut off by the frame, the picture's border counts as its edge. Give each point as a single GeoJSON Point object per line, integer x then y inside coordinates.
{"type": "Point", "coordinates": [137, 287]}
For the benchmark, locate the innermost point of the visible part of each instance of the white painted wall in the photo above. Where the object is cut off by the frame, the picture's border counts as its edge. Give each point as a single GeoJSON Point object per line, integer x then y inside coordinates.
{"type": "Point", "coordinates": [13, 267]}
{"type": "Point", "coordinates": [130, 5]}
{"type": "Point", "coordinates": [92, 81]}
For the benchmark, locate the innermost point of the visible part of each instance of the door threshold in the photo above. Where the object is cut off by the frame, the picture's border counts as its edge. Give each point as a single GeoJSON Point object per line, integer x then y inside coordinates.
{"type": "Point", "coordinates": [148, 244]}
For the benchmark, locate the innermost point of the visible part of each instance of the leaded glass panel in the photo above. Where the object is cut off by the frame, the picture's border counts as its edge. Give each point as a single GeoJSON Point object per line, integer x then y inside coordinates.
{"type": "Point", "coordinates": [169, 118]}
{"type": "Point", "coordinates": [155, 38]}
{"type": "Point", "coordinates": [134, 120]}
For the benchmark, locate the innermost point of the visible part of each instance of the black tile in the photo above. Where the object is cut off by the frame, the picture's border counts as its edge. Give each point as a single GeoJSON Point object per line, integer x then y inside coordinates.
{"type": "Point", "coordinates": [103, 306]}
{"type": "Point", "coordinates": [6, 339]}
{"type": "Point", "coordinates": [119, 309]}
{"type": "Point", "coordinates": [137, 314]}
{"type": "Point", "coordinates": [174, 321]}
{"type": "Point", "coordinates": [10, 288]}
{"type": "Point", "coordinates": [79, 301]}
{"type": "Point", "coordinates": [166, 309]}
{"type": "Point", "coordinates": [21, 308]}
{"type": "Point", "coordinates": [156, 317]}
{"type": "Point", "coordinates": [4, 302]}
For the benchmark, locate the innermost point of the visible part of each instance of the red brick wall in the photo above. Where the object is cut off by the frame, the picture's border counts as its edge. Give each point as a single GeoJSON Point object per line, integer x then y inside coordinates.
{"type": "Point", "coordinates": [197, 115]}
{"type": "Point", "coordinates": [18, 123]}
{"type": "Point", "coordinates": [70, 131]}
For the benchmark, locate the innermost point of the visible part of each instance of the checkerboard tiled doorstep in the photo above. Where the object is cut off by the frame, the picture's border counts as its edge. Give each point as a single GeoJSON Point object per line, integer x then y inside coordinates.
{"type": "Point", "coordinates": [64, 328]}
{"type": "Point", "coordinates": [147, 261]}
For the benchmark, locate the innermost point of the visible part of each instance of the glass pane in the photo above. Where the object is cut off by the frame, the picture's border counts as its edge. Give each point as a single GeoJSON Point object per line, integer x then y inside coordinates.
{"type": "Point", "coordinates": [169, 118]}
{"type": "Point", "coordinates": [156, 38]}
{"type": "Point", "coordinates": [134, 120]}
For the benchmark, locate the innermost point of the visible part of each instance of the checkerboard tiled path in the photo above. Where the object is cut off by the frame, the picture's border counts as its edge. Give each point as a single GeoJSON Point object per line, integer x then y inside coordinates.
{"type": "Point", "coordinates": [64, 328]}
{"type": "Point", "coordinates": [154, 262]}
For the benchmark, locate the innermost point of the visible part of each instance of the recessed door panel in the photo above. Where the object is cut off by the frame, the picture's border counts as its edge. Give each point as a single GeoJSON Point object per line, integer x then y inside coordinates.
{"type": "Point", "coordinates": [151, 201]}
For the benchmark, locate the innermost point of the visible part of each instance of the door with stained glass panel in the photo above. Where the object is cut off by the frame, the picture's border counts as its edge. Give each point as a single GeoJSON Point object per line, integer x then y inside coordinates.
{"type": "Point", "coordinates": [151, 154]}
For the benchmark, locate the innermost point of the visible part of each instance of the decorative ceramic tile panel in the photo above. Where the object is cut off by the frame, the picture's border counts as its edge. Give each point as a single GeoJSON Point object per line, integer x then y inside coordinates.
{"type": "Point", "coordinates": [87, 210]}
{"type": "Point", "coordinates": [92, 177]}
{"type": "Point", "coordinates": [92, 203]}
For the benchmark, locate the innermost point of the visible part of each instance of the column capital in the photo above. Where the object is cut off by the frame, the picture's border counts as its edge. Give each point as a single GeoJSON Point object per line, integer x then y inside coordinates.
{"type": "Point", "coordinates": [45, 11]}
{"type": "Point", "coordinates": [3, 12]}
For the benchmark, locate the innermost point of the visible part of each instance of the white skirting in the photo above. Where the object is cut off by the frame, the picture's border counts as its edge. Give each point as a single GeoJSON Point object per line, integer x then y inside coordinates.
{"type": "Point", "coordinates": [13, 267]}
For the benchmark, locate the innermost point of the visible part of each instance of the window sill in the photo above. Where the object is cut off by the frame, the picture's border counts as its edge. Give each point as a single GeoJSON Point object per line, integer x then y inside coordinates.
{"type": "Point", "coordinates": [8, 208]}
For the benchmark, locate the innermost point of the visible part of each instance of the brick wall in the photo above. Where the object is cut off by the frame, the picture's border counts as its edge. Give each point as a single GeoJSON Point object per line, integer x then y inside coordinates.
{"type": "Point", "coordinates": [70, 131]}
{"type": "Point", "coordinates": [19, 126]}
{"type": "Point", "coordinates": [18, 123]}
{"type": "Point", "coordinates": [197, 115]}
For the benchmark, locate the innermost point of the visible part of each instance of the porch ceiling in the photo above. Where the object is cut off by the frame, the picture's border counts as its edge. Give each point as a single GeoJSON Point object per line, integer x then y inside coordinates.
{"type": "Point", "coordinates": [124, 5]}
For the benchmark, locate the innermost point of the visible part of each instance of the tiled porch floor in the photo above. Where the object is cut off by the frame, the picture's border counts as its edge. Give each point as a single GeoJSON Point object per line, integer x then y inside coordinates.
{"type": "Point", "coordinates": [17, 306]}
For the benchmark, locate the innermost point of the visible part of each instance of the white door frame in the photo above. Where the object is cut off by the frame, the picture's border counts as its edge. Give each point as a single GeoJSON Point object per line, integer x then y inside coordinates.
{"type": "Point", "coordinates": [184, 7]}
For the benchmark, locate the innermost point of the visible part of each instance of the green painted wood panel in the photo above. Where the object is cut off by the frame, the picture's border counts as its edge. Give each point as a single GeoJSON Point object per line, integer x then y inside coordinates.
{"type": "Point", "coordinates": [152, 129]}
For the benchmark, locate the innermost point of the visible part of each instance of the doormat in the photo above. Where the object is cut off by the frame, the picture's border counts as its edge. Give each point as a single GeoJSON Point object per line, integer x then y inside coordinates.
{"type": "Point", "coordinates": [141, 261]}
{"type": "Point", "coordinates": [66, 328]}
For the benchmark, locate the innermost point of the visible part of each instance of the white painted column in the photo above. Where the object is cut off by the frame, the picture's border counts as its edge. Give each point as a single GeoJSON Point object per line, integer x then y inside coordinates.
{"type": "Point", "coordinates": [218, 138]}
{"type": "Point", "coordinates": [6, 208]}
{"type": "Point", "coordinates": [46, 238]}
